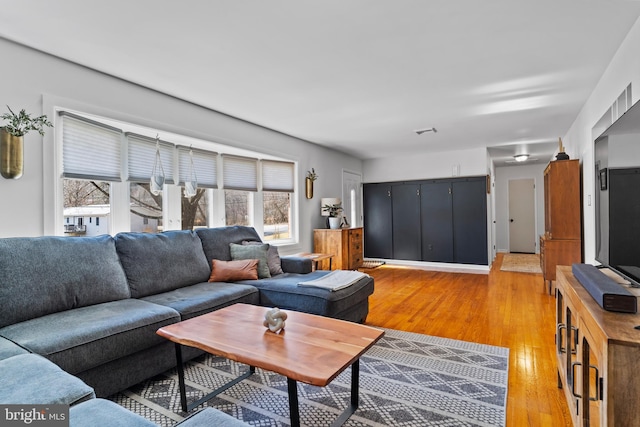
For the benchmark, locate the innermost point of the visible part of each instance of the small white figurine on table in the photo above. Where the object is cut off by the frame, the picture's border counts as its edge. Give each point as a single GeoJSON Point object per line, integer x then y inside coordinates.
{"type": "Point", "coordinates": [274, 319]}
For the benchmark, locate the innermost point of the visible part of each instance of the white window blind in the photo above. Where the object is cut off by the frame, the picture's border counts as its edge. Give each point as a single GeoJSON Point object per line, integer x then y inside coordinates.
{"type": "Point", "coordinates": [277, 176]}
{"type": "Point", "coordinates": [142, 157]}
{"type": "Point", "coordinates": [240, 173]}
{"type": "Point", "coordinates": [204, 164]}
{"type": "Point", "coordinates": [90, 150]}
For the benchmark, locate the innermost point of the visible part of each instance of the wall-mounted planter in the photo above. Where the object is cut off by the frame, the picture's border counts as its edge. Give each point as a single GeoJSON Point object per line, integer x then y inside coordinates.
{"type": "Point", "coordinates": [308, 188]}
{"type": "Point", "coordinates": [11, 155]}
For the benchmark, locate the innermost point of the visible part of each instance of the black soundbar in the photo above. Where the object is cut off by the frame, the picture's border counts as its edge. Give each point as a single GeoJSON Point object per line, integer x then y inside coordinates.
{"type": "Point", "coordinates": [608, 294]}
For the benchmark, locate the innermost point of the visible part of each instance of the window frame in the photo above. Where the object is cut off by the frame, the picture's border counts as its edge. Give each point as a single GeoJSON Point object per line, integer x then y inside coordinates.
{"type": "Point", "coordinates": [119, 220]}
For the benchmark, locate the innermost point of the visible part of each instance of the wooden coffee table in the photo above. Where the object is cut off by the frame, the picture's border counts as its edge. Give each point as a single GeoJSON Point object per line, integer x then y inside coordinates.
{"type": "Point", "coordinates": [311, 349]}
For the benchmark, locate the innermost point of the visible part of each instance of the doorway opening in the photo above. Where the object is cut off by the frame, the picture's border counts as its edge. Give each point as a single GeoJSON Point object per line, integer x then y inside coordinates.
{"type": "Point", "coordinates": [522, 216]}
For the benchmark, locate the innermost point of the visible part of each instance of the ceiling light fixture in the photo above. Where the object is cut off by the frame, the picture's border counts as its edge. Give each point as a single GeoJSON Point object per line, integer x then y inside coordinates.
{"type": "Point", "coordinates": [421, 131]}
{"type": "Point", "coordinates": [521, 157]}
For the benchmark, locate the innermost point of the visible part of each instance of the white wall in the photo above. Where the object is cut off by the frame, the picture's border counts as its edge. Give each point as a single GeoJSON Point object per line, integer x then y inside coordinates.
{"type": "Point", "coordinates": [579, 140]}
{"type": "Point", "coordinates": [502, 178]}
{"type": "Point", "coordinates": [39, 82]}
{"type": "Point", "coordinates": [425, 165]}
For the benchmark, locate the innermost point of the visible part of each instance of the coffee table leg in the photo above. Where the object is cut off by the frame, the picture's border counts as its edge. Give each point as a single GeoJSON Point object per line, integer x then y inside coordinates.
{"type": "Point", "coordinates": [294, 412]}
{"type": "Point", "coordinates": [183, 391]}
{"type": "Point", "coordinates": [355, 395]}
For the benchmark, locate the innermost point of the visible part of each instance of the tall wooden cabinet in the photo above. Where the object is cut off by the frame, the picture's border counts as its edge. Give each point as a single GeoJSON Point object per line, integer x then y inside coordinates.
{"type": "Point", "coordinates": [561, 243]}
{"type": "Point", "coordinates": [344, 243]}
{"type": "Point", "coordinates": [597, 355]}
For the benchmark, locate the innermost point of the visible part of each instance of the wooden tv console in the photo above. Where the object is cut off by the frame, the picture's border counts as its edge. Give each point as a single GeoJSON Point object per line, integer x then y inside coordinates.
{"type": "Point", "coordinates": [598, 354]}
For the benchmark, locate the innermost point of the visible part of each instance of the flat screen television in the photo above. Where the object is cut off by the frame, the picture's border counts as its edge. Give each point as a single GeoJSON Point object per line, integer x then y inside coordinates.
{"type": "Point", "coordinates": [617, 196]}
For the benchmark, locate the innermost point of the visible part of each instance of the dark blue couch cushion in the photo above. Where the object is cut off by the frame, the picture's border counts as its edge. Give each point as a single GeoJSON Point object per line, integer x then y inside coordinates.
{"type": "Point", "coordinates": [282, 291]}
{"type": "Point", "coordinates": [32, 379]}
{"type": "Point", "coordinates": [44, 275]}
{"type": "Point", "coordinates": [80, 339]}
{"type": "Point", "coordinates": [156, 263]}
{"type": "Point", "coordinates": [101, 412]}
{"type": "Point", "coordinates": [215, 241]}
{"type": "Point", "coordinates": [192, 301]}
{"type": "Point", "coordinates": [9, 349]}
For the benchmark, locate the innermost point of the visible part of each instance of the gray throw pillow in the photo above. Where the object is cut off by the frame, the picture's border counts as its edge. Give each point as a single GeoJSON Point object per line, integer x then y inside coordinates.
{"type": "Point", "coordinates": [258, 252]}
{"type": "Point", "coordinates": [273, 257]}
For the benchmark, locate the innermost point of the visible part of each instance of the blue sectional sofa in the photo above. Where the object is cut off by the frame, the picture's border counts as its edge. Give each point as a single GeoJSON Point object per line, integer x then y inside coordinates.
{"type": "Point", "coordinates": [92, 305]}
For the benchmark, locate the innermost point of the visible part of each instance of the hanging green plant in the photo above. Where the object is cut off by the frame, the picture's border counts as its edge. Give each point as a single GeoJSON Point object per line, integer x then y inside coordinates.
{"type": "Point", "coordinates": [12, 140]}
{"type": "Point", "coordinates": [22, 123]}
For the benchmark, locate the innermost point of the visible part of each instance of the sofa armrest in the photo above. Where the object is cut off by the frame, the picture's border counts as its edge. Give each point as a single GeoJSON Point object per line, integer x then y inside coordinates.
{"type": "Point", "coordinates": [295, 264]}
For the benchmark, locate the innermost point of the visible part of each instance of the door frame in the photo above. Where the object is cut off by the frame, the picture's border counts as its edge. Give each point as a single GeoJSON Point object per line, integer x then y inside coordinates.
{"type": "Point", "coordinates": [358, 198]}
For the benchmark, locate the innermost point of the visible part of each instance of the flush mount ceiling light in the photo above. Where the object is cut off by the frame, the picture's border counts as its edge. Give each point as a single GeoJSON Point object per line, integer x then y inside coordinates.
{"type": "Point", "coordinates": [521, 157]}
{"type": "Point", "coordinates": [421, 131]}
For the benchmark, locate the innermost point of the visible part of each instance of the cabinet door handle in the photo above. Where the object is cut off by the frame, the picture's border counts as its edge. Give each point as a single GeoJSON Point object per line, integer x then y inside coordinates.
{"type": "Point", "coordinates": [573, 375]}
{"type": "Point", "coordinates": [559, 340]}
{"type": "Point", "coordinates": [574, 350]}
{"type": "Point", "coordinates": [597, 384]}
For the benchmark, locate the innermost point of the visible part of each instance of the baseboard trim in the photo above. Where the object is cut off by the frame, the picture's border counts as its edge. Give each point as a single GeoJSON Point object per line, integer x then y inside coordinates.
{"type": "Point", "coordinates": [436, 266]}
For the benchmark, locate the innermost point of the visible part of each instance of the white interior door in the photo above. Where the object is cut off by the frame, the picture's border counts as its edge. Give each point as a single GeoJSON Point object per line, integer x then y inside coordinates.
{"type": "Point", "coordinates": [352, 198]}
{"type": "Point", "coordinates": [522, 228]}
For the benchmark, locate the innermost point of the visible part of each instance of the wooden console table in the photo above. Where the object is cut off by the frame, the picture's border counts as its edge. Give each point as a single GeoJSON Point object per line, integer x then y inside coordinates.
{"type": "Point", "coordinates": [345, 243]}
{"type": "Point", "coordinates": [598, 354]}
{"type": "Point", "coordinates": [317, 258]}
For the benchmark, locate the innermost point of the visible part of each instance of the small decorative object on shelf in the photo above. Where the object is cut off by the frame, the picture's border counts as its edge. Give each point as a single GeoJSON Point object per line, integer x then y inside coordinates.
{"type": "Point", "coordinates": [12, 140]}
{"type": "Point", "coordinates": [561, 154]}
{"type": "Point", "coordinates": [274, 320]}
{"type": "Point", "coordinates": [308, 181]}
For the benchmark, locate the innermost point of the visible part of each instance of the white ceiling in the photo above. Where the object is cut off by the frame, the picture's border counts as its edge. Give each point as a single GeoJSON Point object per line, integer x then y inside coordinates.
{"type": "Point", "coordinates": [359, 75]}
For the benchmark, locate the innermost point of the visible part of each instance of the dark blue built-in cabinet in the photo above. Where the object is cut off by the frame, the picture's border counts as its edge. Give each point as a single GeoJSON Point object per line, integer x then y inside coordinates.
{"type": "Point", "coordinates": [440, 220]}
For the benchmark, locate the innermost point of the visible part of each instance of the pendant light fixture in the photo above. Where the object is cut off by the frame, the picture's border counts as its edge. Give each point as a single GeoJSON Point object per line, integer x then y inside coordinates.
{"type": "Point", "coordinates": [156, 185]}
{"type": "Point", "coordinates": [191, 184]}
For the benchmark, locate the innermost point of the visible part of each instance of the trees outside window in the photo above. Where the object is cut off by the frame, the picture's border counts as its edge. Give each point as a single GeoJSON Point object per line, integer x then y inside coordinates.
{"type": "Point", "coordinates": [236, 207]}
{"type": "Point", "coordinates": [195, 210]}
{"type": "Point", "coordinates": [277, 215]}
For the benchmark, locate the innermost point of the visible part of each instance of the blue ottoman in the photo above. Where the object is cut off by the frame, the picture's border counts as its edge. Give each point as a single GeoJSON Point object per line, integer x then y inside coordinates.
{"type": "Point", "coordinates": [32, 379]}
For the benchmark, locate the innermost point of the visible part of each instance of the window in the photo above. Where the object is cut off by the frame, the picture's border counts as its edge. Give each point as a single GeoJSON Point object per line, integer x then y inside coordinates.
{"type": "Point", "coordinates": [199, 166]}
{"type": "Point", "coordinates": [107, 165]}
{"type": "Point", "coordinates": [277, 188]}
{"type": "Point", "coordinates": [277, 215]}
{"type": "Point", "coordinates": [240, 175]}
{"type": "Point", "coordinates": [237, 207]}
{"type": "Point", "coordinates": [146, 209]}
{"type": "Point", "coordinates": [83, 198]}
{"type": "Point", "coordinates": [195, 209]}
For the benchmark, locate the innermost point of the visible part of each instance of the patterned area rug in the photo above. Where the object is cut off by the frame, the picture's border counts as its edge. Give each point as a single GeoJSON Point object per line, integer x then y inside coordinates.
{"type": "Point", "coordinates": [521, 263]}
{"type": "Point", "coordinates": [406, 379]}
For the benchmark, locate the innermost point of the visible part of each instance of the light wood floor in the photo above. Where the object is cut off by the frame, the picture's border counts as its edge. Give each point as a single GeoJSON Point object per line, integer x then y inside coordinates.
{"type": "Point", "coordinates": [503, 308]}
